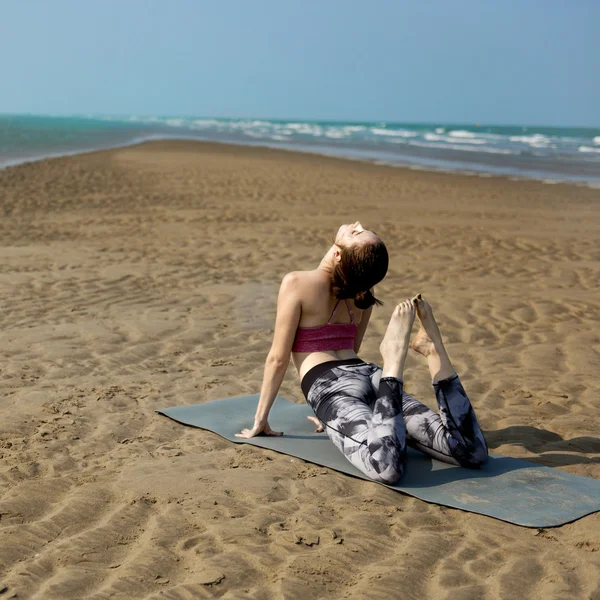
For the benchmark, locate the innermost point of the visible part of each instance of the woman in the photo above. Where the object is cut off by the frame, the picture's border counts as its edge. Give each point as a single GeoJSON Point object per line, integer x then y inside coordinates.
{"type": "Point", "coordinates": [363, 407]}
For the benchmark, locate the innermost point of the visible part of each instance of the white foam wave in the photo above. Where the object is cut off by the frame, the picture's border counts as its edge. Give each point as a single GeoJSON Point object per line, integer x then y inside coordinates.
{"type": "Point", "coordinates": [354, 128]}
{"type": "Point", "coordinates": [175, 122]}
{"type": "Point", "coordinates": [305, 129]}
{"type": "Point", "coordinates": [394, 132]}
{"type": "Point", "coordinates": [254, 123]}
{"type": "Point", "coordinates": [204, 123]}
{"type": "Point", "coordinates": [537, 140]}
{"type": "Point", "coordinates": [245, 125]}
{"type": "Point", "coordinates": [469, 141]}
{"type": "Point", "coordinates": [467, 148]}
{"type": "Point", "coordinates": [255, 134]}
{"type": "Point", "coordinates": [432, 137]}
{"type": "Point", "coordinates": [461, 134]}
{"type": "Point", "coordinates": [440, 130]}
{"type": "Point", "coordinates": [335, 134]}
{"type": "Point", "coordinates": [596, 140]}
{"type": "Point", "coordinates": [588, 149]}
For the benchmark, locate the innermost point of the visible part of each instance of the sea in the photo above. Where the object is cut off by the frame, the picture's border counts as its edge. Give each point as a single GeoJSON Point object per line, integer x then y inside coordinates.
{"type": "Point", "coordinates": [549, 154]}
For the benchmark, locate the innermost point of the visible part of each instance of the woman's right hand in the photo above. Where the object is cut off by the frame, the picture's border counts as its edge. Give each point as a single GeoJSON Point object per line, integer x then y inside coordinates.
{"type": "Point", "coordinates": [258, 429]}
{"type": "Point", "coordinates": [318, 423]}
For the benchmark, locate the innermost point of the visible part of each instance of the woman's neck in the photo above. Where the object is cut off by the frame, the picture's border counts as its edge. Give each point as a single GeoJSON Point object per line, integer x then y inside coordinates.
{"type": "Point", "coordinates": [327, 262]}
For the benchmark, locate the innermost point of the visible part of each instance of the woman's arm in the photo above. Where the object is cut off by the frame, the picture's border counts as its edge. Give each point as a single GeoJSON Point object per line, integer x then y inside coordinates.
{"type": "Point", "coordinates": [289, 309]}
{"type": "Point", "coordinates": [364, 321]}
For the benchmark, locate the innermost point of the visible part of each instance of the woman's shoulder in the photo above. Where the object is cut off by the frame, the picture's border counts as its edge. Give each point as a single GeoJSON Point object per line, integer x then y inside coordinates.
{"type": "Point", "coordinates": [304, 276]}
{"type": "Point", "coordinates": [303, 279]}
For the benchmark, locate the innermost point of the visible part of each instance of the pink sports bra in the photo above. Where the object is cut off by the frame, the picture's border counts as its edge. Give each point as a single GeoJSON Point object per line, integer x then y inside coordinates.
{"type": "Point", "coordinates": [331, 336]}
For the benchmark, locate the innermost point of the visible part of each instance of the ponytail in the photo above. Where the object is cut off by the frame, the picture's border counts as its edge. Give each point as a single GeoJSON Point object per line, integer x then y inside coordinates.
{"type": "Point", "coordinates": [364, 300]}
{"type": "Point", "coordinates": [360, 268]}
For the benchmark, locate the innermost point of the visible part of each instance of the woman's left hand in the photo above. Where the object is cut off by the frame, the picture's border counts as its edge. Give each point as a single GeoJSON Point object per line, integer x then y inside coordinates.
{"type": "Point", "coordinates": [258, 429]}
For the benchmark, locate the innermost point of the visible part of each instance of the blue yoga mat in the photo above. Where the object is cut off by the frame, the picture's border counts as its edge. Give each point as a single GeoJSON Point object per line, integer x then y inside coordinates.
{"type": "Point", "coordinates": [509, 489]}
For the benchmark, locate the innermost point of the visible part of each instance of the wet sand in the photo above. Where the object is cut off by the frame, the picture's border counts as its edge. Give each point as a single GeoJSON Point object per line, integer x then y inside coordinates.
{"type": "Point", "coordinates": [146, 277]}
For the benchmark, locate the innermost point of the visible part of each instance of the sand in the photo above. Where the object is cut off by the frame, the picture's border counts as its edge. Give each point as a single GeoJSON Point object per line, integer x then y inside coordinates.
{"type": "Point", "coordinates": [145, 277]}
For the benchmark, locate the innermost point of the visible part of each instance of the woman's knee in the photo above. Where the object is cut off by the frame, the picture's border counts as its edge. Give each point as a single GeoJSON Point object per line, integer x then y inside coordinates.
{"type": "Point", "coordinates": [472, 458]}
{"type": "Point", "coordinates": [479, 456]}
{"type": "Point", "coordinates": [390, 475]}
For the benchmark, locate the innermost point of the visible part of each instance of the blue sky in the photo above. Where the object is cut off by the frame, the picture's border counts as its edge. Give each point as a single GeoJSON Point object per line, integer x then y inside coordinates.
{"type": "Point", "coordinates": [462, 61]}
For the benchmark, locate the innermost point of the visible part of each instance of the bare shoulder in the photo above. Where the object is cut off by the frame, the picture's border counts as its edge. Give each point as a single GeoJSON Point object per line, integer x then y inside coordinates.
{"type": "Point", "coordinates": [296, 278]}
{"type": "Point", "coordinates": [305, 284]}
{"type": "Point", "coordinates": [291, 284]}
{"type": "Point", "coordinates": [291, 280]}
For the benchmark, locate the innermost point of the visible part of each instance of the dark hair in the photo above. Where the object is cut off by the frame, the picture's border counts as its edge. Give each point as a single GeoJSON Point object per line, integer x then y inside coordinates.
{"type": "Point", "coordinates": [361, 267]}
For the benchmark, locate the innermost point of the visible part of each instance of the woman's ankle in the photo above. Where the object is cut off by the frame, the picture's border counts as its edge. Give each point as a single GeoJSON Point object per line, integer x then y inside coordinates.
{"type": "Point", "coordinates": [439, 364]}
{"type": "Point", "coordinates": [393, 369]}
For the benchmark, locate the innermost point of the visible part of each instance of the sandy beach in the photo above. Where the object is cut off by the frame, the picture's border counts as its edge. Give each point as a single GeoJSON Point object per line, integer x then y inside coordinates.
{"type": "Point", "coordinates": [146, 277]}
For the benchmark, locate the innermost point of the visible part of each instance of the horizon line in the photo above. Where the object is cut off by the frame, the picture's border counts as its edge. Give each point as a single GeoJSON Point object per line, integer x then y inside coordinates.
{"type": "Point", "coordinates": [89, 115]}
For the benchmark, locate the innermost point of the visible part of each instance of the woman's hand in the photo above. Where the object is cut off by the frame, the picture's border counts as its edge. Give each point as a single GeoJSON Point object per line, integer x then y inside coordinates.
{"type": "Point", "coordinates": [318, 423]}
{"type": "Point", "coordinates": [259, 428]}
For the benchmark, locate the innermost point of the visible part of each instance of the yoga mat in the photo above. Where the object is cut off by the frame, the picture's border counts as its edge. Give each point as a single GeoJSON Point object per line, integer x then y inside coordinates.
{"type": "Point", "coordinates": [509, 489]}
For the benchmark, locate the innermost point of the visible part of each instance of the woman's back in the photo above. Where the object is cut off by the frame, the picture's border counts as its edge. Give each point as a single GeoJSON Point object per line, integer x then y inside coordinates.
{"type": "Point", "coordinates": [328, 327]}
{"type": "Point", "coordinates": [318, 302]}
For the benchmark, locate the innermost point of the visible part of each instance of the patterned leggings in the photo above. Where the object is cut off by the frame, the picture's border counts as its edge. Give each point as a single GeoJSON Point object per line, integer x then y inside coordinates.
{"type": "Point", "coordinates": [371, 419]}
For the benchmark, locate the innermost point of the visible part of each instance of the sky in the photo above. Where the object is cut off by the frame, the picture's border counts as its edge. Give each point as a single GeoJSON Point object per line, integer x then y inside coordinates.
{"type": "Point", "coordinates": [531, 62]}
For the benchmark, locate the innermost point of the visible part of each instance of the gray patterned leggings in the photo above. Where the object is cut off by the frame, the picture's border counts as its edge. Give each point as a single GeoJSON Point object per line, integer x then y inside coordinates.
{"type": "Point", "coordinates": [371, 419]}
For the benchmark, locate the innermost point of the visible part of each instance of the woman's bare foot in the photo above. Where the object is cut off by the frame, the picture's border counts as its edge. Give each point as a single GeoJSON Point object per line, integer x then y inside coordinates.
{"type": "Point", "coordinates": [428, 342]}
{"type": "Point", "coordinates": [395, 343]}
{"type": "Point", "coordinates": [422, 343]}
{"type": "Point", "coordinates": [429, 326]}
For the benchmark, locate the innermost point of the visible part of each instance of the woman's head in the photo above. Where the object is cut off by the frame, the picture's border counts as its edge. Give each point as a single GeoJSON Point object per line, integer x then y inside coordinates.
{"type": "Point", "coordinates": [360, 262]}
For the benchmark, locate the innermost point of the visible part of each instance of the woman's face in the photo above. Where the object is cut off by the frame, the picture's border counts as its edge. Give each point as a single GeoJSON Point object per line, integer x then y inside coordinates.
{"type": "Point", "coordinates": [354, 233]}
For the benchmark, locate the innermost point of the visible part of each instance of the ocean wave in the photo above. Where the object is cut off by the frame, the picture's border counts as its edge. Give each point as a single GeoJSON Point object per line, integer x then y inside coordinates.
{"type": "Point", "coordinates": [596, 140]}
{"type": "Point", "coordinates": [175, 122]}
{"type": "Point", "coordinates": [204, 123]}
{"type": "Point", "coordinates": [335, 134]}
{"type": "Point", "coordinates": [537, 140]}
{"type": "Point", "coordinates": [134, 118]}
{"type": "Point", "coordinates": [468, 141]}
{"type": "Point", "coordinates": [588, 149]}
{"type": "Point", "coordinates": [432, 137]}
{"type": "Point", "coordinates": [467, 148]}
{"type": "Point", "coordinates": [440, 130]}
{"type": "Point", "coordinates": [253, 123]}
{"type": "Point", "coordinates": [305, 129]}
{"type": "Point", "coordinates": [394, 132]}
{"type": "Point", "coordinates": [491, 136]}
{"type": "Point", "coordinates": [245, 124]}
{"type": "Point", "coordinates": [255, 134]}
{"type": "Point", "coordinates": [459, 133]}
